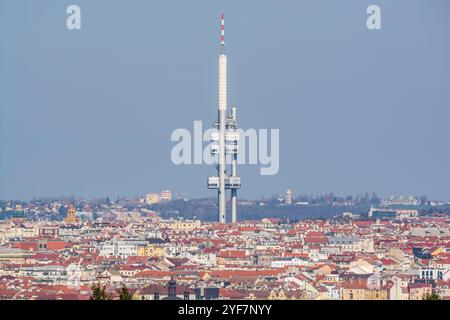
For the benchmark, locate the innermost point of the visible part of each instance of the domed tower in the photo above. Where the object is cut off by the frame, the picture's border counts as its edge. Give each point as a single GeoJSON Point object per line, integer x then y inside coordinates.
{"type": "Point", "coordinates": [71, 215]}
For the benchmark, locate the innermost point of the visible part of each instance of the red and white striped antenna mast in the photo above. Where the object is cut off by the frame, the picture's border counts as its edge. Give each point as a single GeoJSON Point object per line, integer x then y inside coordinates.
{"type": "Point", "coordinates": [222, 36]}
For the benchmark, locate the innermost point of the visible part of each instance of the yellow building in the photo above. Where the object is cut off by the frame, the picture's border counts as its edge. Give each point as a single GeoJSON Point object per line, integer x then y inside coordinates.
{"type": "Point", "coordinates": [285, 295]}
{"type": "Point", "coordinates": [417, 291]}
{"type": "Point", "coordinates": [151, 251]}
{"type": "Point", "coordinates": [361, 292]}
{"type": "Point", "coordinates": [151, 198]}
{"type": "Point", "coordinates": [274, 296]}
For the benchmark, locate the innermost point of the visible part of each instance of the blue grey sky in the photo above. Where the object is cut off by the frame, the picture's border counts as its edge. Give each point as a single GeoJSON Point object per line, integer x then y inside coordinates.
{"type": "Point", "coordinates": [90, 112]}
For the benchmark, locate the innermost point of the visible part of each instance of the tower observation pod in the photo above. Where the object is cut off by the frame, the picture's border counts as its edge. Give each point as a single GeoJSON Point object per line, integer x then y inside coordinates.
{"type": "Point", "coordinates": [225, 142]}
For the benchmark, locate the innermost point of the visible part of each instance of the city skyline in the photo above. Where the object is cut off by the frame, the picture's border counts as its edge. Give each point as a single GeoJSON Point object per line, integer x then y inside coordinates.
{"type": "Point", "coordinates": [83, 112]}
{"type": "Point", "coordinates": [178, 195]}
{"type": "Point", "coordinates": [65, 251]}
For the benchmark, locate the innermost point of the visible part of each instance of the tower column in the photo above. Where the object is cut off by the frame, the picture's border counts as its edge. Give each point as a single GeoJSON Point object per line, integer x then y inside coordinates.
{"type": "Point", "coordinates": [234, 174]}
{"type": "Point", "coordinates": [222, 128]}
{"type": "Point", "coordinates": [224, 142]}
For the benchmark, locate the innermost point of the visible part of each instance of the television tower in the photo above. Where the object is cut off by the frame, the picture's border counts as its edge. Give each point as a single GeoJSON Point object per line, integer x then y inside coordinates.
{"type": "Point", "coordinates": [224, 142]}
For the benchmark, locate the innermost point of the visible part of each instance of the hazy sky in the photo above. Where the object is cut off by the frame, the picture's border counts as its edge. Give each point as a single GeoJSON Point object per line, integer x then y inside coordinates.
{"type": "Point", "coordinates": [90, 112]}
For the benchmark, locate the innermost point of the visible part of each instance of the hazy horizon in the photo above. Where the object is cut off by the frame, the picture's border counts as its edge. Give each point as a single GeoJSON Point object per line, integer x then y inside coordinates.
{"type": "Point", "coordinates": [184, 195]}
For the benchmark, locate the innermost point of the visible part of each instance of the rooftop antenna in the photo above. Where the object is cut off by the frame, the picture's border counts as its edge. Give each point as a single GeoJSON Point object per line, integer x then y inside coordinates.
{"type": "Point", "coordinates": [222, 36]}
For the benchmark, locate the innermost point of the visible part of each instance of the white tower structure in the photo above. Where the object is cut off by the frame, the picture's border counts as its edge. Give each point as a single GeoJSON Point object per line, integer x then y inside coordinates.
{"type": "Point", "coordinates": [288, 197]}
{"type": "Point", "coordinates": [224, 142]}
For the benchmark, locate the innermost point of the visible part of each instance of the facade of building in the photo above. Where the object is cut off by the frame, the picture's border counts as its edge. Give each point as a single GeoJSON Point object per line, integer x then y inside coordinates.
{"type": "Point", "coordinates": [288, 197]}
{"type": "Point", "coordinates": [165, 195]}
{"type": "Point", "coordinates": [151, 198]}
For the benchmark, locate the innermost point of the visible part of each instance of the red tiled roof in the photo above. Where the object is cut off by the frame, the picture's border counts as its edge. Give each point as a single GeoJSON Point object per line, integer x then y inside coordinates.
{"type": "Point", "coordinates": [322, 240]}
{"type": "Point", "coordinates": [211, 250]}
{"type": "Point", "coordinates": [232, 254]}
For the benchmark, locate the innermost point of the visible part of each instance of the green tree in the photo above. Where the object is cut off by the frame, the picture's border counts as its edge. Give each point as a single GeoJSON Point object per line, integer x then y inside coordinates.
{"type": "Point", "coordinates": [124, 293]}
{"type": "Point", "coordinates": [99, 293]}
{"type": "Point", "coordinates": [432, 296]}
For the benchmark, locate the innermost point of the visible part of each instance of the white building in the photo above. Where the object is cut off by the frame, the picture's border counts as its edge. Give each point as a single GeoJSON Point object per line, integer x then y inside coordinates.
{"type": "Point", "coordinates": [400, 201]}
{"type": "Point", "coordinates": [165, 195]}
{"type": "Point", "coordinates": [281, 262]}
{"type": "Point", "coordinates": [431, 273]}
{"type": "Point", "coordinates": [288, 197]}
{"type": "Point", "coordinates": [118, 248]}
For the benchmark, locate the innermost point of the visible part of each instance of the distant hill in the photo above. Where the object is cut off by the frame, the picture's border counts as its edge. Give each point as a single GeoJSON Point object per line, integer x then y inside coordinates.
{"type": "Point", "coordinates": [206, 210]}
